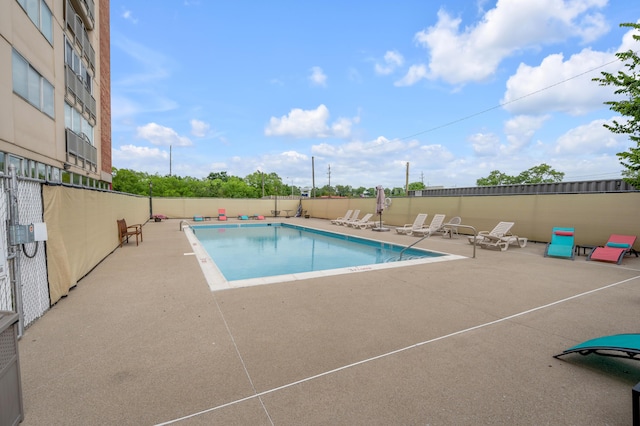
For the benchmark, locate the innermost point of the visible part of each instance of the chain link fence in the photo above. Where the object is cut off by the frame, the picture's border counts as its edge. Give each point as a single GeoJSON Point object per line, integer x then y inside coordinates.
{"type": "Point", "coordinates": [6, 295]}
{"type": "Point", "coordinates": [33, 260]}
{"type": "Point", "coordinates": [26, 270]}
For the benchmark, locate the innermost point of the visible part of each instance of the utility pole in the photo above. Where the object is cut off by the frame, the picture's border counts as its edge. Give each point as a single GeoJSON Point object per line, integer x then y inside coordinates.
{"type": "Point", "coordinates": [313, 177]}
{"type": "Point", "coordinates": [406, 185]}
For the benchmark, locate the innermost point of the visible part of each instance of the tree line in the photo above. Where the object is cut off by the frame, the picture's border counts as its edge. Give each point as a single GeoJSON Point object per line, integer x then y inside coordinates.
{"type": "Point", "coordinates": [258, 185]}
{"type": "Point", "coordinates": [223, 185]}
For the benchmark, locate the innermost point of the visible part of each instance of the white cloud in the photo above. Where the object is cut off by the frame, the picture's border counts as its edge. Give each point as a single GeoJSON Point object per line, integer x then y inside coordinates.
{"type": "Point", "coordinates": [141, 152]}
{"type": "Point", "coordinates": [318, 77]}
{"type": "Point", "coordinates": [537, 89]}
{"type": "Point", "coordinates": [415, 74]}
{"type": "Point", "coordinates": [474, 53]}
{"type": "Point", "coordinates": [392, 60]}
{"type": "Point", "coordinates": [485, 144]}
{"type": "Point", "coordinates": [301, 123]}
{"type": "Point", "coordinates": [520, 130]}
{"type": "Point", "coordinates": [591, 138]}
{"type": "Point", "coordinates": [128, 15]}
{"type": "Point", "coordinates": [376, 148]}
{"type": "Point", "coordinates": [161, 135]}
{"type": "Point", "coordinates": [628, 42]}
{"type": "Point", "coordinates": [150, 65]}
{"type": "Point", "coordinates": [199, 128]}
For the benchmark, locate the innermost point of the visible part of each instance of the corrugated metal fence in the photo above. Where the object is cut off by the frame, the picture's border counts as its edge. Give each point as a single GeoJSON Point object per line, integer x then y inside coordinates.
{"type": "Point", "coordinates": [590, 186]}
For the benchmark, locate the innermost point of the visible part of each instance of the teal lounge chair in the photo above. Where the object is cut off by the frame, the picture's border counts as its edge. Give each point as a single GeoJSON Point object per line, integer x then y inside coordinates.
{"type": "Point", "coordinates": [562, 243]}
{"type": "Point", "coordinates": [617, 346]}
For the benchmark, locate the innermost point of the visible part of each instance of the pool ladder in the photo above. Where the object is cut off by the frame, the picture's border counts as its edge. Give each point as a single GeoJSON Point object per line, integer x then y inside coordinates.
{"type": "Point", "coordinates": [475, 235]}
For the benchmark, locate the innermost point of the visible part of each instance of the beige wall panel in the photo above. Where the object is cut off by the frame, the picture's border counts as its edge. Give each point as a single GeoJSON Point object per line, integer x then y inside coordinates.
{"type": "Point", "coordinates": [34, 130]}
{"type": "Point", "coordinates": [595, 216]}
{"type": "Point", "coordinates": [185, 208]}
{"type": "Point", "coordinates": [6, 92]}
{"type": "Point", "coordinates": [33, 46]}
{"type": "Point", "coordinates": [82, 224]}
{"type": "Point", "coordinates": [6, 22]}
{"type": "Point", "coordinates": [82, 231]}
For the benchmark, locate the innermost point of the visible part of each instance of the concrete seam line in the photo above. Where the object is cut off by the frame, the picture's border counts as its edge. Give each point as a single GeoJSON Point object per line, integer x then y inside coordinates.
{"type": "Point", "coordinates": [406, 348]}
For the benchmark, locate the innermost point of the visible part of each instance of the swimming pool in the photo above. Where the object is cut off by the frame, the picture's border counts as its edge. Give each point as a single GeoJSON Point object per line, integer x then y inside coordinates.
{"type": "Point", "coordinates": [250, 254]}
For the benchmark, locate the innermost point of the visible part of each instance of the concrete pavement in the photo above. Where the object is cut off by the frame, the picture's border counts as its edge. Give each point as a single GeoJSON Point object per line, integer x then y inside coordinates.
{"type": "Point", "coordinates": [142, 340]}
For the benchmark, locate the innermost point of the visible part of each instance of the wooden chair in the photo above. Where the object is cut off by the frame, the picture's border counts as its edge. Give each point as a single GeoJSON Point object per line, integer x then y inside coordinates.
{"type": "Point", "coordinates": [125, 231]}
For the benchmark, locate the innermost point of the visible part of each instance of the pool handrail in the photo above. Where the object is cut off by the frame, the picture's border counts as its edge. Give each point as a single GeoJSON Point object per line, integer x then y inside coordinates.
{"type": "Point", "coordinates": [475, 235]}
{"type": "Point", "coordinates": [182, 227]}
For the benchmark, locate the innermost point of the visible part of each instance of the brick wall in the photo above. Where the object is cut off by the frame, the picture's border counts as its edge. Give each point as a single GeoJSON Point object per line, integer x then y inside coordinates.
{"type": "Point", "coordinates": [105, 87]}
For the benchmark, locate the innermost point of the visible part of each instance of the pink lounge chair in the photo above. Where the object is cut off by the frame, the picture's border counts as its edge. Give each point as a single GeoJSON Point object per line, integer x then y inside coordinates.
{"type": "Point", "coordinates": [615, 249]}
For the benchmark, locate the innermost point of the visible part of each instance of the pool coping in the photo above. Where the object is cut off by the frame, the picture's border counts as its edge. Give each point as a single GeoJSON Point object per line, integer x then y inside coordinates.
{"type": "Point", "coordinates": [216, 280]}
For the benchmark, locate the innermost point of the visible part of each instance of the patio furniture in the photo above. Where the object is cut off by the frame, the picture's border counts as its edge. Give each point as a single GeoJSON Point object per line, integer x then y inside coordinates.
{"type": "Point", "coordinates": [562, 243]}
{"type": "Point", "coordinates": [124, 231]}
{"type": "Point", "coordinates": [615, 249]}
{"type": "Point", "coordinates": [434, 226]}
{"type": "Point", "coordinates": [418, 223]}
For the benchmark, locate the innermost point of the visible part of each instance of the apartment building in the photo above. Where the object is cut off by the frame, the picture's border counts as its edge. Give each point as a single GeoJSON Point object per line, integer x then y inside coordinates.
{"type": "Point", "coordinates": [55, 109]}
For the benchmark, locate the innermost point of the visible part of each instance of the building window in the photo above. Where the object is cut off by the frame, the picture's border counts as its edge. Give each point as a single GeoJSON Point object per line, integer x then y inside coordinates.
{"type": "Point", "coordinates": [74, 61]}
{"type": "Point", "coordinates": [30, 85]}
{"type": "Point", "coordinates": [75, 121]}
{"type": "Point", "coordinates": [40, 15]}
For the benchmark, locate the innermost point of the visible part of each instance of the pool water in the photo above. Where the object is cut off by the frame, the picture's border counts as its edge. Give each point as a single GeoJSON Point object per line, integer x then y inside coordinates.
{"type": "Point", "coordinates": [264, 250]}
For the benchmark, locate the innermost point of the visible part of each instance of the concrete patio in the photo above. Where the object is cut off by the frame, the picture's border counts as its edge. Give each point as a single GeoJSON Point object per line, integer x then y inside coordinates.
{"type": "Point", "coordinates": [142, 340]}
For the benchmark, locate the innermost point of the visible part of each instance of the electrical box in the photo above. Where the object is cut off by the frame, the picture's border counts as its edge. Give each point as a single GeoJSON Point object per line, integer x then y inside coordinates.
{"type": "Point", "coordinates": [24, 234]}
{"type": "Point", "coordinates": [40, 232]}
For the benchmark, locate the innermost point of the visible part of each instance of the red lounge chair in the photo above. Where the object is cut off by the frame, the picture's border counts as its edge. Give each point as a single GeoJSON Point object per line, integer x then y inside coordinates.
{"type": "Point", "coordinates": [616, 248]}
{"type": "Point", "coordinates": [222, 214]}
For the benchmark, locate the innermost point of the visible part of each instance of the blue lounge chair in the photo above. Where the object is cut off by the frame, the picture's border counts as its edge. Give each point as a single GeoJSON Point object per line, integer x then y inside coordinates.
{"type": "Point", "coordinates": [562, 243]}
{"type": "Point", "coordinates": [617, 346]}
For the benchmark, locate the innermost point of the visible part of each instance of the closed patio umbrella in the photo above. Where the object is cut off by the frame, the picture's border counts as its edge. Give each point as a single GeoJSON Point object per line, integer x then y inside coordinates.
{"type": "Point", "coordinates": [380, 206]}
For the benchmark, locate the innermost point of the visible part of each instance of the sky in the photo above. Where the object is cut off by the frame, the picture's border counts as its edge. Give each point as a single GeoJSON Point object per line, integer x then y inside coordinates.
{"type": "Point", "coordinates": [361, 93]}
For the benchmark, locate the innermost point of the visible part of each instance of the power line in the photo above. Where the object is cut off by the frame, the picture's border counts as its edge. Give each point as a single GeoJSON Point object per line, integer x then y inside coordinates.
{"type": "Point", "coordinates": [509, 102]}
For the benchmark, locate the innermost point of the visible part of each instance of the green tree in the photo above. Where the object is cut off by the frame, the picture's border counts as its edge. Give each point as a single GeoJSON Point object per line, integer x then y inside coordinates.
{"type": "Point", "coordinates": [628, 85]}
{"type": "Point", "coordinates": [254, 180]}
{"type": "Point", "coordinates": [496, 177]}
{"type": "Point", "coordinates": [236, 187]}
{"type": "Point", "coordinates": [397, 191]}
{"type": "Point", "coordinates": [130, 181]}
{"type": "Point", "coordinates": [542, 173]}
{"type": "Point", "coordinates": [416, 186]}
{"type": "Point", "coordinates": [218, 175]}
{"type": "Point", "coordinates": [344, 190]}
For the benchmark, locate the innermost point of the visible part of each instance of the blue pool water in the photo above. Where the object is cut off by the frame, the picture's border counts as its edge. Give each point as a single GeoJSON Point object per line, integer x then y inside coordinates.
{"type": "Point", "coordinates": [262, 250]}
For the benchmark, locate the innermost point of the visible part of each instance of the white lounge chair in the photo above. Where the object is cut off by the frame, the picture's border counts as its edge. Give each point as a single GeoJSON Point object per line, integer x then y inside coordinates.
{"type": "Point", "coordinates": [353, 218]}
{"type": "Point", "coordinates": [361, 223]}
{"type": "Point", "coordinates": [501, 229]}
{"type": "Point", "coordinates": [503, 242]}
{"type": "Point", "coordinates": [346, 216]}
{"type": "Point", "coordinates": [434, 226]}
{"type": "Point", "coordinates": [418, 223]}
{"type": "Point", "coordinates": [450, 227]}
